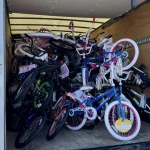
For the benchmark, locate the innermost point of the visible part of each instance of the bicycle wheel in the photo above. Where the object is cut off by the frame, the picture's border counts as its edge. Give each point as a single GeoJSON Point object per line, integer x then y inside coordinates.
{"type": "Point", "coordinates": [76, 121]}
{"type": "Point", "coordinates": [33, 126]}
{"type": "Point", "coordinates": [119, 129]}
{"type": "Point", "coordinates": [92, 124]}
{"type": "Point", "coordinates": [130, 52]}
{"type": "Point", "coordinates": [36, 53]}
{"type": "Point", "coordinates": [43, 95]}
{"type": "Point", "coordinates": [58, 123]}
{"type": "Point", "coordinates": [22, 89]}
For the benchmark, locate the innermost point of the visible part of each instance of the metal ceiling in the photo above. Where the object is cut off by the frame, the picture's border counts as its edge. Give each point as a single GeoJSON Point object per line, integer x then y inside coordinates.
{"type": "Point", "coordinates": [30, 15]}
{"type": "Point", "coordinates": [73, 8]}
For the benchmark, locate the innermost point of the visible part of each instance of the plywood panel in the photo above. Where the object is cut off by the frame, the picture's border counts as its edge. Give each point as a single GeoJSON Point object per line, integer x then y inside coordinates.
{"type": "Point", "coordinates": [135, 25]}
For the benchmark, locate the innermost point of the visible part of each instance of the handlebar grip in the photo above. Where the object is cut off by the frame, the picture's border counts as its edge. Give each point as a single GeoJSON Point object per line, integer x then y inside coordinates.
{"type": "Point", "coordinates": [93, 20]}
{"type": "Point", "coordinates": [71, 25]}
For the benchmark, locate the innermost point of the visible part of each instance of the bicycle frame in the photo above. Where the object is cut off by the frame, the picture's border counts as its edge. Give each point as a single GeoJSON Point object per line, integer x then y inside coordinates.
{"type": "Point", "coordinates": [131, 93]}
{"type": "Point", "coordinates": [38, 87]}
{"type": "Point", "coordinates": [111, 91]}
{"type": "Point", "coordinates": [87, 61]}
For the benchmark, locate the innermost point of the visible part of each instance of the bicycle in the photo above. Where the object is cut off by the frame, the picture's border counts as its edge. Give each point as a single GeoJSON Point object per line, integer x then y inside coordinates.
{"type": "Point", "coordinates": [111, 53]}
{"type": "Point", "coordinates": [58, 111]}
{"type": "Point", "coordinates": [113, 56]}
{"type": "Point", "coordinates": [25, 95]}
{"type": "Point", "coordinates": [139, 101]}
{"type": "Point", "coordinates": [82, 109]}
{"type": "Point", "coordinates": [38, 53]}
{"type": "Point", "coordinates": [41, 106]}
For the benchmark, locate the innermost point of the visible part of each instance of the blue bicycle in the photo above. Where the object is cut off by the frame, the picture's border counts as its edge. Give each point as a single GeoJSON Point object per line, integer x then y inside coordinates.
{"type": "Point", "coordinates": [121, 118]}
{"type": "Point", "coordinates": [125, 49]}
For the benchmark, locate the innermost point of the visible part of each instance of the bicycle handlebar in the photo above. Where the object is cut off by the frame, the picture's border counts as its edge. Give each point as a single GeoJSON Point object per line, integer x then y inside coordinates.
{"type": "Point", "coordinates": [84, 51]}
{"type": "Point", "coordinates": [43, 56]}
{"type": "Point", "coordinates": [143, 75]}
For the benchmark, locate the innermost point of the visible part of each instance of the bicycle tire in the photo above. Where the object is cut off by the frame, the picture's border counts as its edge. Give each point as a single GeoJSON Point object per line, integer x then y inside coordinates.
{"type": "Point", "coordinates": [114, 131]}
{"type": "Point", "coordinates": [19, 144]}
{"type": "Point", "coordinates": [21, 92]}
{"type": "Point", "coordinates": [69, 43]}
{"type": "Point", "coordinates": [80, 119]}
{"type": "Point", "coordinates": [41, 57]}
{"type": "Point", "coordinates": [133, 43]}
{"type": "Point", "coordinates": [51, 135]}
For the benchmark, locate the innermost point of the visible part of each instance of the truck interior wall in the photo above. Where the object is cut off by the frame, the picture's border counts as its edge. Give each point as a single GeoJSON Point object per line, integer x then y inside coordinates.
{"type": "Point", "coordinates": [136, 25]}
{"type": "Point", "coordinates": [8, 43]}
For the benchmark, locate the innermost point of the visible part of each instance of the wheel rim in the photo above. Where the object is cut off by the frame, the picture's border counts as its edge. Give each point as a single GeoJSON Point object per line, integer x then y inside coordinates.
{"type": "Point", "coordinates": [57, 122]}
{"type": "Point", "coordinates": [32, 128]}
{"type": "Point", "coordinates": [74, 120]}
{"type": "Point", "coordinates": [114, 116]}
{"type": "Point", "coordinates": [127, 47]}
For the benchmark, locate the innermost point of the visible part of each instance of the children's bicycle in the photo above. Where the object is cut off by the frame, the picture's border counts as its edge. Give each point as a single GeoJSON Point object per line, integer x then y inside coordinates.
{"type": "Point", "coordinates": [121, 118]}
{"type": "Point", "coordinates": [123, 53]}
